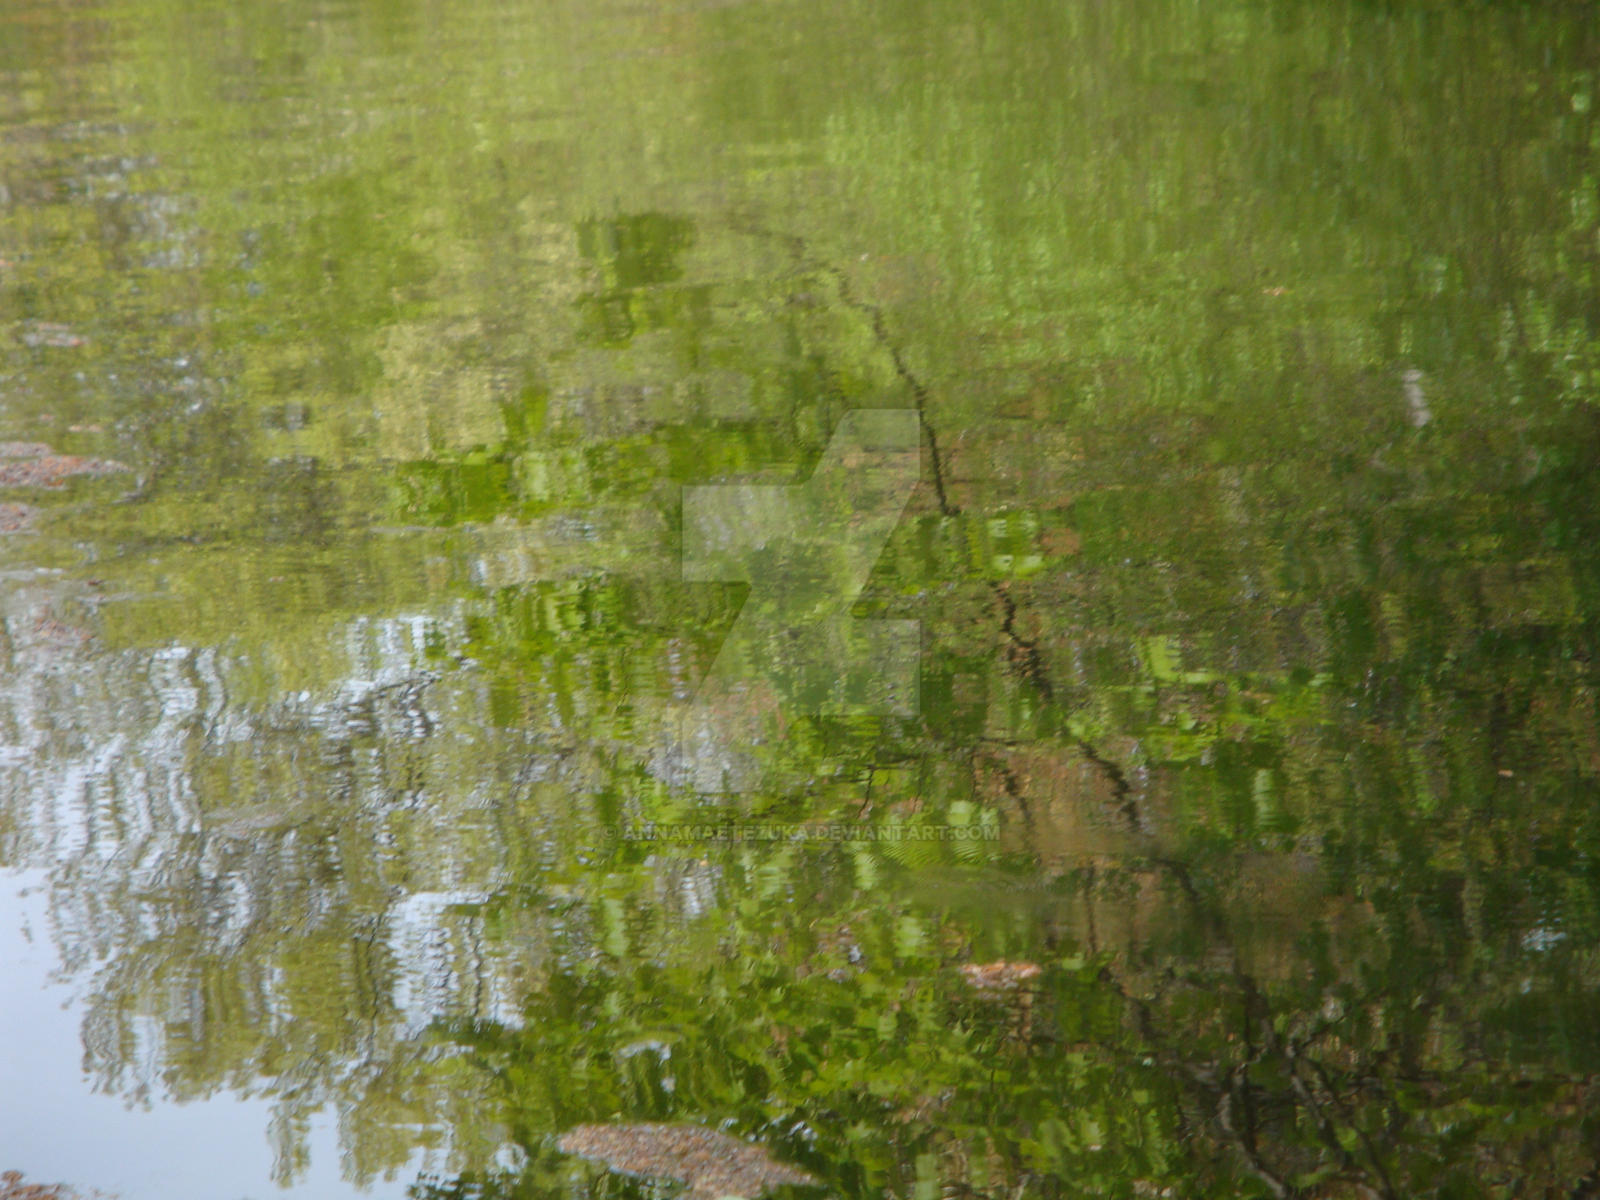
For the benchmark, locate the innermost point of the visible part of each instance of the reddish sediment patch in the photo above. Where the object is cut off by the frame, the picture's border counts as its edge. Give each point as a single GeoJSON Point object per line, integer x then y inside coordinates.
{"type": "Point", "coordinates": [712, 1164]}
{"type": "Point", "coordinates": [33, 465]}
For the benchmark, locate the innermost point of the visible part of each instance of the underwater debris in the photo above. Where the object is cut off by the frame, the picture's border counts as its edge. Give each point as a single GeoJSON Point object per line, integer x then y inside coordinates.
{"type": "Point", "coordinates": [14, 518]}
{"type": "Point", "coordinates": [999, 977]}
{"type": "Point", "coordinates": [712, 1164]}
{"type": "Point", "coordinates": [50, 333]}
{"type": "Point", "coordinates": [1003, 983]}
{"type": "Point", "coordinates": [13, 1188]}
{"type": "Point", "coordinates": [37, 467]}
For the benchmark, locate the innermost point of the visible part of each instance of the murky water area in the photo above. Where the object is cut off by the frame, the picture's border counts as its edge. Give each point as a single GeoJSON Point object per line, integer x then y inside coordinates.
{"type": "Point", "coordinates": [972, 601]}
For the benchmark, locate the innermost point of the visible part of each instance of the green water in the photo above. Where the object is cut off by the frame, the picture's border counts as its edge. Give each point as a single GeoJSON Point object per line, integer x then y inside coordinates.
{"type": "Point", "coordinates": [1253, 556]}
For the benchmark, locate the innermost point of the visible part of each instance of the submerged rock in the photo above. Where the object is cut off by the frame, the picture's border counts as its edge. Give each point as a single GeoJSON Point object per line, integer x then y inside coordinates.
{"type": "Point", "coordinates": [999, 977]}
{"type": "Point", "coordinates": [712, 1164]}
{"type": "Point", "coordinates": [31, 465]}
{"type": "Point", "coordinates": [12, 1187]}
{"type": "Point", "coordinates": [50, 333]}
{"type": "Point", "coordinates": [14, 518]}
{"type": "Point", "coordinates": [1011, 984]}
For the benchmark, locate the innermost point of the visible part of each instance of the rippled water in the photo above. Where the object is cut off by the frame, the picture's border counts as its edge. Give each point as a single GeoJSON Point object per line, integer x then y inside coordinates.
{"type": "Point", "coordinates": [998, 602]}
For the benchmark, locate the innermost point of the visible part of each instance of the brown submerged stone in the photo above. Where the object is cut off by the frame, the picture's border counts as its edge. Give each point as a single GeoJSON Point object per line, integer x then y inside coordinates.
{"type": "Point", "coordinates": [712, 1164]}
{"type": "Point", "coordinates": [14, 518]}
{"type": "Point", "coordinates": [12, 1187]}
{"type": "Point", "coordinates": [999, 977]}
{"type": "Point", "coordinates": [1010, 984]}
{"type": "Point", "coordinates": [51, 470]}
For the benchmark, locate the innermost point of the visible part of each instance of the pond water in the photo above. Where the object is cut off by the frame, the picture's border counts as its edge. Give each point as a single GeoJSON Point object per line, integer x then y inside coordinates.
{"type": "Point", "coordinates": [994, 601]}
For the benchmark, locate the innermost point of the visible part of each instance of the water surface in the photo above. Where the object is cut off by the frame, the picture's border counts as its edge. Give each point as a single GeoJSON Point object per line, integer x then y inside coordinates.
{"type": "Point", "coordinates": [375, 821]}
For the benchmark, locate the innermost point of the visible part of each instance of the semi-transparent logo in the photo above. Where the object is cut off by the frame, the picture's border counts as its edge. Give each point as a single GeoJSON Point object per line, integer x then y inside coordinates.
{"type": "Point", "coordinates": [806, 550]}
